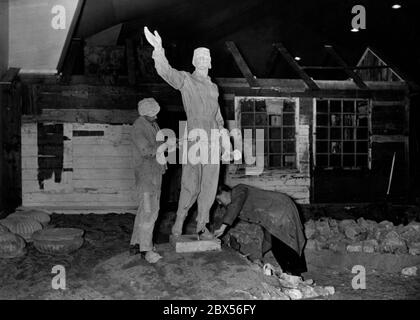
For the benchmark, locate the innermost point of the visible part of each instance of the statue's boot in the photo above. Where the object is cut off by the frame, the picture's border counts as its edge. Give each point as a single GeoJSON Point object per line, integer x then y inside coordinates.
{"type": "Point", "coordinates": [205, 234]}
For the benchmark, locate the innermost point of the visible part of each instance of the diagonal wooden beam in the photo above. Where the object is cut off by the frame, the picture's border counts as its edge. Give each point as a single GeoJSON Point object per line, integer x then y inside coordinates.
{"type": "Point", "coordinates": [356, 78]}
{"type": "Point", "coordinates": [243, 67]}
{"type": "Point", "coordinates": [292, 62]}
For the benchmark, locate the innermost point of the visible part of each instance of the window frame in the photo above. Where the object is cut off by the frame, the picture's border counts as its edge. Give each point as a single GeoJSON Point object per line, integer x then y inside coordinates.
{"type": "Point", "coordinates": [329, 140]}
{"type": "Point", "coordinates": [238, 116]}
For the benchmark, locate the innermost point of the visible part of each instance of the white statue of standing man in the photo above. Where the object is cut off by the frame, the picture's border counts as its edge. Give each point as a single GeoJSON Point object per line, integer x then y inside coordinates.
{"type": "Point", "coordinates": [200, 98]}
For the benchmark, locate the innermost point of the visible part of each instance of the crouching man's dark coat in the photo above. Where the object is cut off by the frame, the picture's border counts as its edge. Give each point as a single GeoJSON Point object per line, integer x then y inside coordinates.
{"type": "Point", "coordinates": [274, 211]}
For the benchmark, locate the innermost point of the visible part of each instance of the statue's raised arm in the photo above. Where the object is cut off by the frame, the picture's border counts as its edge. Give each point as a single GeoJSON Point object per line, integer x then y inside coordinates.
{"type": "Point", "coordinates": [172, 76]}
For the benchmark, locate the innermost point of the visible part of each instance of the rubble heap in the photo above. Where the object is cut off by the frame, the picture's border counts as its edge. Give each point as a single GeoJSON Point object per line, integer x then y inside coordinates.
{"type": "Point", "coordinates": [363, 236]}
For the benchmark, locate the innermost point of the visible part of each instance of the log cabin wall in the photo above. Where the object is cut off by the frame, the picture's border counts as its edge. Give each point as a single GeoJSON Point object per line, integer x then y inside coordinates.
{"type": "Point", "coordinates": [93, 123]}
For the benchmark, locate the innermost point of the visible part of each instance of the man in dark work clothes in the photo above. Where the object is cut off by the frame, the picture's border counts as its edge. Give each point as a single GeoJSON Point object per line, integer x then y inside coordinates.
{"type": "Point", "coordinates": [278, 216]}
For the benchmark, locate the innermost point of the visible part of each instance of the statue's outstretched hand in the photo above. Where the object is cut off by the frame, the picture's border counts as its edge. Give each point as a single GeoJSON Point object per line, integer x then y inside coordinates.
{"type": "Point", "coordinates": [155, 40]}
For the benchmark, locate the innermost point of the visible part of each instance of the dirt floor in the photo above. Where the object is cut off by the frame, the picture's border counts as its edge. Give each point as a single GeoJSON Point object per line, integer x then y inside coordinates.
{"type": "Point", "coordinates": [102, 269]}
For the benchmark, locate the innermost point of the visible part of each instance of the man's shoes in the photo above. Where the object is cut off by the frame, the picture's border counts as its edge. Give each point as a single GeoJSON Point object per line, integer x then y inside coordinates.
{"type": "Point", "coordinates": [134, 249]}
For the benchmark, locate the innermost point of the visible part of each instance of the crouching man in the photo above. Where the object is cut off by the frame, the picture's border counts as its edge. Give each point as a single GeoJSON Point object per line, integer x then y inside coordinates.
{"type": "Point", "coordinates": [278, 216]}
{"type": "Point", "coordinates": [148, 178]}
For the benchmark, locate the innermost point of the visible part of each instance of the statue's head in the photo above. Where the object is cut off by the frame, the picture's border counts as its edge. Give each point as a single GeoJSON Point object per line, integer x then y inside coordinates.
{"type": "Point", "coordinates": [201, 58]}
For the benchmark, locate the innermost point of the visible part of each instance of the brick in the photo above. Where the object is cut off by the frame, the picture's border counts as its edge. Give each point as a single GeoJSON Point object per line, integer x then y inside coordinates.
{"type": "Point", "coordinates": [189, 243]}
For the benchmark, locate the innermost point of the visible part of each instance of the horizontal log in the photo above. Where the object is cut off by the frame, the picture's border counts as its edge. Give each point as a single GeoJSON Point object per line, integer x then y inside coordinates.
{"type": "Point", "coordinates": [109, 141]}
{"type": "Point", "coordinates": [106, 174]}
{"type": "Point", "coordinates": [83, 116]}
{"type": "Point", "coordinates": [389, 138]}
{"type": "Point", "coordinates": [87, 151]}
{"type": "Point", "coordinates": [126, 184]}
{"type": "Point", "coordinates": [388, 103]}
{"type": "Point", "coordinates": [83, 198]}
{"type": "Point", "coordinates": [104, 208]}
{"type": "Point", "coordinates": [78, 204]}
{"type": "Point", "coordinates": [103, 163]}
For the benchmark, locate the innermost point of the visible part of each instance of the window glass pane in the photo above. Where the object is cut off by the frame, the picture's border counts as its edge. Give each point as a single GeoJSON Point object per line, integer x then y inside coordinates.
{"type": "Point", "coordinates": [289, 105]}
{"type": "Point", "coordinates": [275, 147]}
{"type": "Point", "coordinates": [348, 120]}
{"type": "Point", "coordinates": [288, 119]}
{"type": "Point", "coordinates": [362, 121]}
{"type": "Point", "coordinates": [322, 160]}
{"type": "Point", "coordinates": [348, 134]}
{"type": "Point", "coordinates": [362, 133]}
{"type": "Point", "coordinates": [335, 133]}
{"type": "Point", "coordinates": [260, 106]}
{"type": "Point", "coordinates": [335, 160]}
{"type": "Point", "coordinates": [361, 147]}
{"type": "Point", "coordinates": [289, 147]}
{"type": "Point", "coordinates": [260, 119]}
{"type": "Point", "coordinates": [361, 160]}
{"type": "Point", "coordinates": [288, 133]}
{"type": "Point", "coordinates": [348, 147]}
{"type": "Point", "coordinates": [335, 106]}
{"type": "Point", "coordinates": [322, 106]}
{"type": "Point", "coordinates": [247, 119]}
{"type": "Point", "coordinates": [275, 133]}
{"type": "Point", "coordinates": [361, 107]}
{"type": "Point", "coordinates": [322, 119]}
{"type": "Point", "coordinates": [275, 121]}
{"type": "Point", "coordinates": [275, 161]}
{"type": "Point", "coordinates": [322, 133]}
{"type": "Point", "coordinates": [289, 161]}
{"type": "Point", "coordinates": [335, 147]}
{"type": "Point", "coordinates": [247, 105]}
{"type": "Point", "coordinates": [335, 120]}
{"type": "Point", "coordinates": [348, 160]}
{"type": "Point", "coordinates": [322, 147]}
{"type": "Point", "coordinates": [348, 106]}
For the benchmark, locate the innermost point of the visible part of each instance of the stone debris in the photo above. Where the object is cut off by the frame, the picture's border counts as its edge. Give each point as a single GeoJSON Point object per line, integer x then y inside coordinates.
{"type": "Point", "coordinates": [295, 288]}
{"type": "Point", "coordinates": [362, 235]}
{"type": "Point", "coordinates": [414, 248]}
{"type": "Point", "coordinates": [409, 271]}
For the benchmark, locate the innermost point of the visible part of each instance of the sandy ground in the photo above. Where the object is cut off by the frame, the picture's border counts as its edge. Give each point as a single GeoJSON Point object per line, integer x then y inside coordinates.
{"type": "Point", "coordinates": [102, 269]}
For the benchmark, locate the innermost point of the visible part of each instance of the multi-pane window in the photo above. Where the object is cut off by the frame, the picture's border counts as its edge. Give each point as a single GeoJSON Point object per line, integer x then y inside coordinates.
{"type": "Point", "coordinates": [276, 116]}
{"type": "Point", "coordinates": [342, 133]}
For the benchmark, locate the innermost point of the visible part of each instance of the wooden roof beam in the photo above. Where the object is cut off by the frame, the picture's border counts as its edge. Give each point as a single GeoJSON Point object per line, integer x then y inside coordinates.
{"type": "Point", "coordinates": [292, 62]}
{"type": "Point", "coordinates": [356, 78]}
{"type": "Point", "coordinates": [242, 65]}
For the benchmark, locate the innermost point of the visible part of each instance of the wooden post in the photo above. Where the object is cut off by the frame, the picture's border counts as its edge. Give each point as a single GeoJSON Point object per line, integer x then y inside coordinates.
{"type": "Point", "coordinates": [292, 62]}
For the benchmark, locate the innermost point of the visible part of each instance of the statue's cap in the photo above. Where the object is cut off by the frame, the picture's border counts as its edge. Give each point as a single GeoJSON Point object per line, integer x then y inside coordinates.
{"type": "Point", "coordinates": [201, 51]}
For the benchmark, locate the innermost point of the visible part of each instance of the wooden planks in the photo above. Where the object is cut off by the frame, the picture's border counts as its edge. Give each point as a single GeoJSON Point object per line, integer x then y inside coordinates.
{"type": "Point", "coordinates": [97, 169]}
